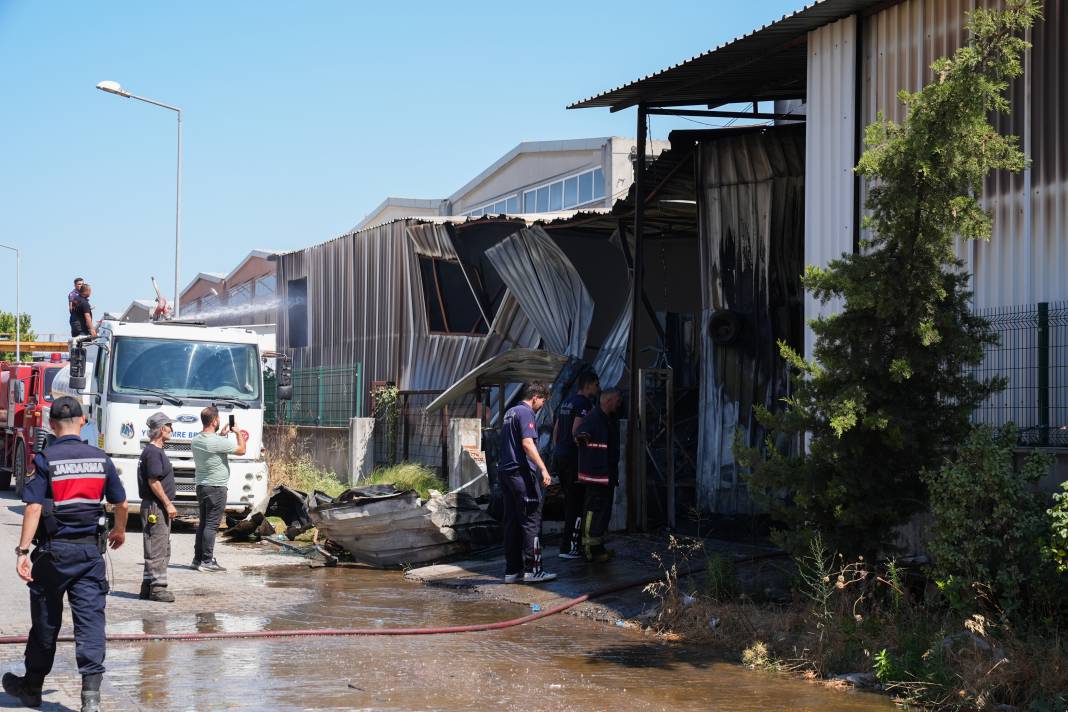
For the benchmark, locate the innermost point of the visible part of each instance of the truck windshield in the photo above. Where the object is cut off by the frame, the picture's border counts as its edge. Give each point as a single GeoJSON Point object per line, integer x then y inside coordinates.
{"type": "Point", "coordinates": [186, 369]}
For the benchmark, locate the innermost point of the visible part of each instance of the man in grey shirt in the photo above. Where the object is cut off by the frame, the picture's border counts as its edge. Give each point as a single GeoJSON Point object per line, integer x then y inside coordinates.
{"type": "Point", "coordinates": [211, 451]}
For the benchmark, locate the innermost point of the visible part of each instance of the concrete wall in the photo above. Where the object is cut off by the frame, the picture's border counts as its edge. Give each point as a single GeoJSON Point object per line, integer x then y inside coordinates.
{"type": "Point", "coordinates": [327, 448]}
{"type": "Point", "coordinates": [618, 169]}
{"type": "Point", "coordinates": [361, 449]}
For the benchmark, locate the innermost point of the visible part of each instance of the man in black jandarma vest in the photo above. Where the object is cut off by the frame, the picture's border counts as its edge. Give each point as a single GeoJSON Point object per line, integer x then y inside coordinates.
{"type": "Point", "coordinates": [65, 520]}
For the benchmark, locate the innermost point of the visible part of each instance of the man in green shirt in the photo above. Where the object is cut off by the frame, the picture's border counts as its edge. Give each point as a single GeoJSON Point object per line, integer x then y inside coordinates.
{"type": "Point", "coordinates": [211, 451]}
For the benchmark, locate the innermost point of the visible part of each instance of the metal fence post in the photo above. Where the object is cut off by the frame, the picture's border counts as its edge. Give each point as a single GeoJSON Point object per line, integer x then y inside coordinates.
{"type": "Point", "coordinates": [319, 404]}
{"type": "Point", "coordinates": [359, 390]}
{"type": "Point", "coordinates": [1043, 373]}
{"type": "Point", "coordinates": [445, 443]}
{"type": "Point", "coordinates": [407, 428]}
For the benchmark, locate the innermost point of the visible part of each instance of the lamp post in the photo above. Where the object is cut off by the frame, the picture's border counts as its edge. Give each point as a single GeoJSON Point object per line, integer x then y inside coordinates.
{"type": "Point", "coordinates": [115, 88]}
{"type": "Point", "coordinates": [18, 301]}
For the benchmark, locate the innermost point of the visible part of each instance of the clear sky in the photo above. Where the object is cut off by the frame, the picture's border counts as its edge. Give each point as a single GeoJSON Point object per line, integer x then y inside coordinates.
{"type": "Point", "coordinates": [299, 118]}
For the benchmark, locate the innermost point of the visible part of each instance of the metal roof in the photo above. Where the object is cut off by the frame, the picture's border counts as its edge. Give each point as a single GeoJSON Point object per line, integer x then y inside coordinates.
{"type": "Point", "coordinates": [767, 64]}
{"type": "Point", "coordinates": [514, 366]}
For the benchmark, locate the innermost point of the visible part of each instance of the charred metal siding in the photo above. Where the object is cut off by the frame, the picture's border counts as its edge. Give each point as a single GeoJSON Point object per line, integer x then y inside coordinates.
{"type": "Point", "coordinates": [1027, 255]}
{"type": "Point", "coordinates": [751, 202]}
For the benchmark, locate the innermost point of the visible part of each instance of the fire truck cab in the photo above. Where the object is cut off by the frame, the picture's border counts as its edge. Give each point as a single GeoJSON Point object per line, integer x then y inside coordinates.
{"type": "Point", "coordinates": [25, 393]}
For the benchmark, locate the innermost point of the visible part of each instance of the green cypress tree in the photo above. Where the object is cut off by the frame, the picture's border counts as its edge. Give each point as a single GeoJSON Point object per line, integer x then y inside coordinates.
{"type": "Point", "coordinates": [888, 393]}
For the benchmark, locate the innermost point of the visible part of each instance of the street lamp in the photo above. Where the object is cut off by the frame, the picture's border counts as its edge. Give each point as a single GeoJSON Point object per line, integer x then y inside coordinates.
{"type": "Point", "coordinates": [18, 301]}
{"type": "Point", "coordinates": [115, 88]}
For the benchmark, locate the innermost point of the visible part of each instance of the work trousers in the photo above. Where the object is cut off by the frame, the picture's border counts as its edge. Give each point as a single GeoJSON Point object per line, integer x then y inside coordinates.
{"type": "Point", "coordinates": [157, 542]}
{"type": "Point", "coordinates": [598, 514]}
{"type": "Point", "coordinates": [212, 503]}
{"type": "Point", "coordinates": [574, 502]}
{"type": "Point", "coordinates": [522, 521]}
{"type": "Point", "coordinates": [77, 570]}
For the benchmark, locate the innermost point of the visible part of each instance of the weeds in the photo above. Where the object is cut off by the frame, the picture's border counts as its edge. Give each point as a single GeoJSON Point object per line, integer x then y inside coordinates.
{"type": "Point", "coordinates": [407, 476]}
{"type": "Point", "coordinates": [290, 466]}
{"type": "Point", "coordinates": [721, 578]}
{"type": "Point", "coordinates": [856, 617]}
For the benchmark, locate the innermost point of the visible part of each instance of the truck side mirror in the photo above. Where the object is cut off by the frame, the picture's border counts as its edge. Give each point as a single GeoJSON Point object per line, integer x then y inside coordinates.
{"type": "Point", "coordinates": [20, 391]}
{"type": "Point", "coordinates": [284, 390]}
{"type": "Point", "coordinates": [77, 368]}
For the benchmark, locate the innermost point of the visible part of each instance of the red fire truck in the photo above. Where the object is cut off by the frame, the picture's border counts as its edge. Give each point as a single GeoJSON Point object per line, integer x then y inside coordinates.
{"type": "Point", "coordinates": [25, 392]}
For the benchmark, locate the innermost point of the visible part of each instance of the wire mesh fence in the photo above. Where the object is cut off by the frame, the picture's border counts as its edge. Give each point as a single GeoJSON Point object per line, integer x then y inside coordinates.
{"type": "Point", "coordinates": [1032, 357]}
{"type": "Point", "coordinates": [326, 396]}
{"type": "Point", "coordinates": [410, 434]}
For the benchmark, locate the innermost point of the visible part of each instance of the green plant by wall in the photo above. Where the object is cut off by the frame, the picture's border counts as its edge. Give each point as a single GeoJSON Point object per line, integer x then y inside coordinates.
{"type": "Point", "coordinates": [1057, 550]}
{"type": "Point", "coordinates": [888, 391]}
{"type": "Point", "coordinates": [990, 526]}
{"type": "Point", "coordinates": [387, 415]}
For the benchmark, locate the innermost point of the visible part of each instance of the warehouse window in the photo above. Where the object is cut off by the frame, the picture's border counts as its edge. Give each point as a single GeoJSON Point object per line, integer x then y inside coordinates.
{"type": "Point", "coordinates": [569, 193]}
{"type": "Point", "coordinates": [297, 312]}
{"type": "Point", "coordinates": [450, 305]}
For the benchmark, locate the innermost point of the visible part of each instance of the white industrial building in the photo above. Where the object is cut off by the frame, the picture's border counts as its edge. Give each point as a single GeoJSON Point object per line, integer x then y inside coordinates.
{"type": "Point", "coordinates": [534, 177]}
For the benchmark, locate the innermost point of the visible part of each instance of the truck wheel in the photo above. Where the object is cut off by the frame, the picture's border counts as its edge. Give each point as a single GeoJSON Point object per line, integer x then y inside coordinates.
{"type": "Point", "coordinates": [19, 470]}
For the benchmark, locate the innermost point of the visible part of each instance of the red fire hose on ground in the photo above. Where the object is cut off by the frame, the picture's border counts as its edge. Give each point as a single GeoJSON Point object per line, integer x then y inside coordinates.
{"type": "Point", "coordinates": [338, 632]}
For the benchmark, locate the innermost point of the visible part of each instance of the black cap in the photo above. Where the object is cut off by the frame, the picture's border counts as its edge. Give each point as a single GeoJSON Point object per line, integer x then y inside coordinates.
{"type": "Point", "coordinates": [65, 408]}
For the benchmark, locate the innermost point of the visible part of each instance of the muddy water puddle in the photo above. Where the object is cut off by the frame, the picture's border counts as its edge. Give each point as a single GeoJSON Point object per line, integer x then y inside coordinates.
{"type": "Point", "coordinates": [558, 663]}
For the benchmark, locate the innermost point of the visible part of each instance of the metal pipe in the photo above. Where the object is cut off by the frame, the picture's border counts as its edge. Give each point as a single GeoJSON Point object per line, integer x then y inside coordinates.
{"type": "Point", "coordinates": [717, 114]}
{"type": "Point", "coordinates": [178, 222]}
{"type": "Point", "coordinates": [635, 483]}
{"type": "Point", "coordinates": [114, 88]}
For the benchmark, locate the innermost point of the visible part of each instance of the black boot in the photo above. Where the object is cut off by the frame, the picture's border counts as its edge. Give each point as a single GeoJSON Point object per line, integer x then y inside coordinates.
{"type": "Point", "coordinates": [160, 594]}
{"type": "Point", "coordinates": [90, 700]}
{"type": "Point", "coordinates": [146, 589]}
{"type": "Point", "coordinates": [91, 692]}
{"type": "Point", "coordinates": [18, 688]}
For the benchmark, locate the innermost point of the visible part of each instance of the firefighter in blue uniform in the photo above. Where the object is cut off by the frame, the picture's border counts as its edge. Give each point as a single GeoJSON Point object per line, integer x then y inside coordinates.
{"type": "Point", "coordinates": [523, 477]}
{"type": "Point", "coordinates": [65, 519]}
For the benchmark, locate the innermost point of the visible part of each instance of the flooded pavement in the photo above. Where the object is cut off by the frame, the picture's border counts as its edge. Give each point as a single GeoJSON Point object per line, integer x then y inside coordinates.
{"type": "Point", "coordinates": [558, 663]}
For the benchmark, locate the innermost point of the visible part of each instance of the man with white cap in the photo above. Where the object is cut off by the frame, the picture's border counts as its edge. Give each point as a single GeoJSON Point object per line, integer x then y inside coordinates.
{"type": "Point", "coordinates": [155, 485]}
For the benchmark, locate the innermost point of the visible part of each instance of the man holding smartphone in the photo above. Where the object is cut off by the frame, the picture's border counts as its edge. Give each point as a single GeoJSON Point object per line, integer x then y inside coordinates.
{"type": "Point", "coordinates": [211, 451]}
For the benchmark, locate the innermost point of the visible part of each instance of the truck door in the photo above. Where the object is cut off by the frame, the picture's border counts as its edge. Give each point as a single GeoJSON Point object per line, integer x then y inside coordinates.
{"type": "Point", "coordinates": [96, 360]}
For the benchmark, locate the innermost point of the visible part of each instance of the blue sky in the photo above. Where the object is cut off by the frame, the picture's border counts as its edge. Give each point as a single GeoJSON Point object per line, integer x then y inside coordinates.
{"type": "Point", "coordinates": [299, 118]}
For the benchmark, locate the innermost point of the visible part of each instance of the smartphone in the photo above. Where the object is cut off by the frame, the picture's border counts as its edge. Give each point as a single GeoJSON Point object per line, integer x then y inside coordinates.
{"type": "Point", "coordinates": [232, 424]}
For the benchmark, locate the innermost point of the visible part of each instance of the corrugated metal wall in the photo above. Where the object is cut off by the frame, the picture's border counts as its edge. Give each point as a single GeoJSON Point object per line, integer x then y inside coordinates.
{"type": "Point", "coordinates": [1027, 255]}
{"type": "Point", "coordinates": [355, 301]}
{"type": "Point", "coordinates": [830, 152]}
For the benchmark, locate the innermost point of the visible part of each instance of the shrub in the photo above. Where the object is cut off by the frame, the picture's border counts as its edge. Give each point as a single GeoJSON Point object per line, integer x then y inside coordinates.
{"type": "Point", "coordinates": [1057, 550]}
{"type": "Point", "coordinates": [989, 525]}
